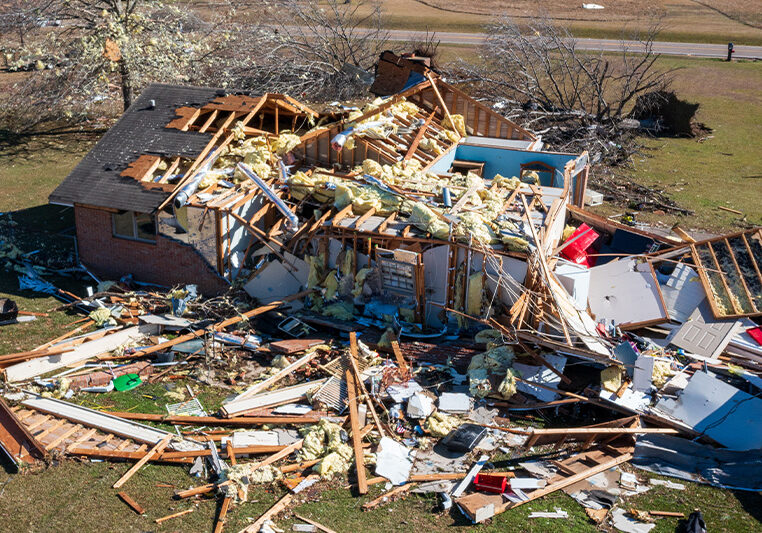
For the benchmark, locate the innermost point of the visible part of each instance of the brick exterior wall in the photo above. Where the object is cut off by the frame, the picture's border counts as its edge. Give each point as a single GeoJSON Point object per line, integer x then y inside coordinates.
{"type": "Point", "coordinates": [165, 262]}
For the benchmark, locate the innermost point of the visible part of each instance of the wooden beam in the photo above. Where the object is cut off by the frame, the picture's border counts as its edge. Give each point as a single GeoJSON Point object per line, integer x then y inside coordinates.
{"type": "Point", "coordinates": [135, 506]}
{"type": "Point", "coordinates": [173, 515]}
{"type": "Point", "coordinates": [419, 136]}
{"type": "Point", "coordinates": [354, 421]}
{"type": "Point", "coordinates": [220, 524]}
{"type": "Point", "coordinates": [156, 450]}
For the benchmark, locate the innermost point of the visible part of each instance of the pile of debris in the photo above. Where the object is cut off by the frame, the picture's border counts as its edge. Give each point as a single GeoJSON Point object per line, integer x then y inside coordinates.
{"type": "Point", "coordinates": [384, 328]}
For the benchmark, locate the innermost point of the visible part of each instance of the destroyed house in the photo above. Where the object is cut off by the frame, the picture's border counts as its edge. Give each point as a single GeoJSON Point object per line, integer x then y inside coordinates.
{"type": "Point", "coordinates": [421, 201]}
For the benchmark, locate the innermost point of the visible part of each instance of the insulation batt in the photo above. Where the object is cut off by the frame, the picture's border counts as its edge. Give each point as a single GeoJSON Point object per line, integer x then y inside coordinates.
{"type": "Point", "coordinates": [440, 424]}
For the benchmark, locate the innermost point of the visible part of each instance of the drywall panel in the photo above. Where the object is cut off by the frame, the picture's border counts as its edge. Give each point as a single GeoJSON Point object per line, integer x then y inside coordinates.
{"type": "Point", "coordinates": [718, 410]}
{"type": "Point", "coordinates": [626, 292]}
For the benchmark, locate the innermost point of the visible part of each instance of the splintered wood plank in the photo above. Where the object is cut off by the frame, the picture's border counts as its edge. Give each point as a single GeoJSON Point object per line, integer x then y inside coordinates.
{"type": "Point", "coordinates": [135, 506]}
{"type": "Point", "coordinates": [362, 481]}
{"type": "Point", "coordinates": [157, 449]}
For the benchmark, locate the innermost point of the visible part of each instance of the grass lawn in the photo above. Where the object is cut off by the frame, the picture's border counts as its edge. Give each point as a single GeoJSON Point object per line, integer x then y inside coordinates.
{"type": "Point", "coordinates": [723, 170]}
{"type": "Point", "coordinates": [72, 496]}
{"type": "Point", "coordinates": [682, 20]}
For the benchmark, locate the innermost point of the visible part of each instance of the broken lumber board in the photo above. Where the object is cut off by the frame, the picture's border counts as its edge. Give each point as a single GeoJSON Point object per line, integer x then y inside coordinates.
{"type": "Point", "coordinates": [358, 380]}
{"type": "Point", "coordinates": [479, 507]}
{"type": "Point", "coordinates": [126, 456]}
{"type": "Point", "coordinates": [221, 518]}
{"type": "Point", "coordinates": [354, 421]}
{"type": "Point", "coordinates": [135, 506]}
{"type": "Point", "coordinates": [16, 440]}
{"type": "Point", "coordinates": [219, 326]}
{"type": "Point", "coordinates": [272, 380]}
{"type": "Point", "coordinates": [396, 491]}
{"type": "Point", "coordinates": [242, 405]}
{"type": "Point", "coordinates": [285, 452]}
{"type": "Point", "coordinates": [156, 450]}
{"type": "Point", "coordinates": [291, 346]}
{"type": "Point", "coordinates": [667, 513]}
{"type": "Point", "coordinates": [318, 525]}
{"type": "Point", "coordinates": [422, 478]}
{"type": "Point", "coordinates": [173, 515]}
{"type": "Point", "coordinates": [104, 421]}
{"type": "Point", "coordinates": [216, 421]}
{"type": "Point", "coordinates": [84, 351]}
{"type": "Point", "coordinates": [398, 356]}
{"type": "Point", "coordinates": [273, 511]}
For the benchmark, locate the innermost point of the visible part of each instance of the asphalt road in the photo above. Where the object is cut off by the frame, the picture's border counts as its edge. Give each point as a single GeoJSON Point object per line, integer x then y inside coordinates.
{"type": "Point", "coordinates": [612, 45]}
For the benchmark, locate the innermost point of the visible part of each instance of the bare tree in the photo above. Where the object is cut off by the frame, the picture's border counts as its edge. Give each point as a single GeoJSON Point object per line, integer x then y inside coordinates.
{"type": "Point", "coordinates": [578, 99]}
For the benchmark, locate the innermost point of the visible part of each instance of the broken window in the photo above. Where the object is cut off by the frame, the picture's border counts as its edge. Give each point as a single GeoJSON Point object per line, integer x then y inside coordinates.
{"type": "Point", "coordinates": [135, 226]}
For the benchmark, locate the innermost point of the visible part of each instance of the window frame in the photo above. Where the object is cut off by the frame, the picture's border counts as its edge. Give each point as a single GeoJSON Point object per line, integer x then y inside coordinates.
{"type": "Point", "coordinates": [134, 236]}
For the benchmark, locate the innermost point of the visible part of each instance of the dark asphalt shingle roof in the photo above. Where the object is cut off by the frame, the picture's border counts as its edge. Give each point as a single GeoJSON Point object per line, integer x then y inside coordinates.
{"type": "Point", "coordinates": [96, 180]}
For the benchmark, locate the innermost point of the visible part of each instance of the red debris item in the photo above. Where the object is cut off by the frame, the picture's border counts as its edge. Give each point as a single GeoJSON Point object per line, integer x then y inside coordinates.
{"type": "Point", "coordinates": [756, 334]}
{"type": "Point", "coordinates": [490, 483]}
{"type": "Point", "coordinates": [577, 251]}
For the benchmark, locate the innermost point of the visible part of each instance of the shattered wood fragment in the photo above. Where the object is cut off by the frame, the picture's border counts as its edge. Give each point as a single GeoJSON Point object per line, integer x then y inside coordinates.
{"type": "Point", "coordinates": [241, 421]}
{"type": "Point", "coordinates": [321, 527]}
{"type": "Point", "coordinates": [284, 502]}
{"type": "Point", "coordinates": [16, 440]}
{"type": "Point", "coordinates": [396, 492]}
{"type": "Point", "coordinates": [219, 526]}
{"type": "Point", "coordinates": [355, 424]}
{"type": "Point", "coordinates": [173, 515]}
{"type": "Point", "coordinates": [135, 506]}
{"type": "Point", "coordinates": [156, 450]}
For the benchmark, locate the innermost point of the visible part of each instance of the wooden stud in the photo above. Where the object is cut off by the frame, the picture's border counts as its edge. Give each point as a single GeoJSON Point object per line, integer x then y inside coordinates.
{"type": "Point", "coordinates": [220, 524]}
{"type": "Point", "coordinates": [157, 449]}
{"type": "Point", "coordinates": [355, 424]}
{"type": "Point", "coordinates": [135, 506]}
{"type": "Point", "coordinates": [173, 515]}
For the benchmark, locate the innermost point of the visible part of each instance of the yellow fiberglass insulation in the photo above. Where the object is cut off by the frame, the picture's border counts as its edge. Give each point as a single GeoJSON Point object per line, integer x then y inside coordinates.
{"type": "Point", "coordinates": [473, 225]}
{"type": "Point", "coordinates": [243, 475]}
{"type": "Point", "coordinates": [372, 167]}
{"type": "Point", "coordinates": [284, 143]}
{"type": "Point", "coordinates": [507, 387]}
{"type": "Point", "coordinates": [430, 145]}
{"type": "Point", "coordinates": [478, 382]}
{"type": "Point", "coordinates": [408, 315]}
{"type": "Point", "coordinates": [279, 362]}
{"type": "Point", "coordinates": [495, 361]}
{"type": "Point", "coordinates": [515, 244]}
{"type": "Point", "coordinates": [611, 378]}
{"type": "Point", "coordinates": [360, 281]}
{"type": "Point", "coordinates": [475, 292]}
{"type": "Point", "coordinates": [331, 284]}
{"type": "Point", "coordinates": [319, 440]}
{"type": "Point", "coordinates": [506, 183]}
{"type": "Point", "coordinates": [458, 124]}
{"type": "Point", "coordinates": [449, 135]}
{"type": "Point", "coordinates": [531, 177]}
{"type": "Point", "coordinates": [489, 336]}
{"type": "Point", "coordinates": [440, 424]}
{"type": "Point", "coordinates": [317, 270]}
{"type": "Point", "coordinates": [386, 339]}
{"type": "Point", "coordinates": [661, 373]}
{"type": "Point", "coordinates": [363, 198]}
{"type": "Point", "coordinates": [101, 316]}
{"type": "Point", "coordinates": [568, 231]}
{"type": "Point", "coordinates": [340, 310]}
{"type": "Point", "coordinates": [336, 462]}
{"type": "Point", "coordinates": [427, 220]}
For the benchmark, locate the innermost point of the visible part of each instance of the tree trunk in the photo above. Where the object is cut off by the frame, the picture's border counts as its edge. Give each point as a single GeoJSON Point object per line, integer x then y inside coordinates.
{"type": "Point", "coordinates": [124, 71]}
